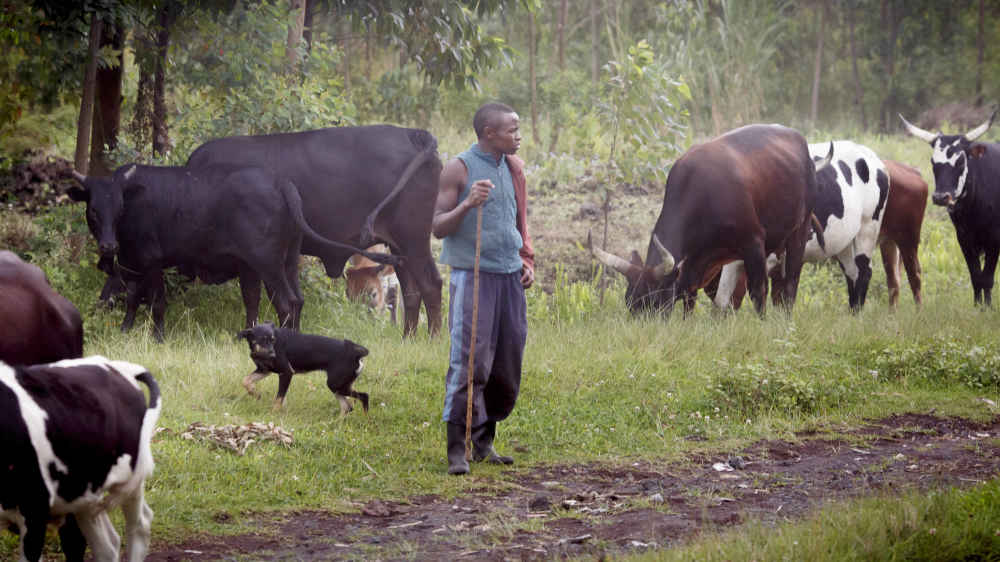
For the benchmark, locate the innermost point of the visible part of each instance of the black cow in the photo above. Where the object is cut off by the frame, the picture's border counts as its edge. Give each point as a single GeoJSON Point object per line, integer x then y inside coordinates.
{"type": "Point", "coordinates": [740, 196]}
{"type": "Point", "coordinates": [357, 183]}
{"type": "Point", "coordinates": [37, 324]}
{"type": "Point", "coordinates": [75, 441]}
{"type": "Point", "coordinates": [277, 350]}
{"type": "Point", "coordinates": [967, 182]}
{"type": "Point", "coordinates": [216, 222]}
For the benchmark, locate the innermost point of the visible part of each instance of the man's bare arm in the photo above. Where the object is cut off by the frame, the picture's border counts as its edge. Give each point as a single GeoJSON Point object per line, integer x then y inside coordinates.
{"type": "Point", "coordinates": [449, 211]}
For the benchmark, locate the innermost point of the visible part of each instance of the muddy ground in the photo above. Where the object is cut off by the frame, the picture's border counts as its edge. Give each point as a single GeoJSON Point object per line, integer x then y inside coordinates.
{"type": "Point", "coordinates": [558, 511]}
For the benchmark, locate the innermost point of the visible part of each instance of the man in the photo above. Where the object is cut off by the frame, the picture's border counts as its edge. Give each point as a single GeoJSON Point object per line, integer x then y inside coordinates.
{"type": "Point", "coordinates": [488, 175]}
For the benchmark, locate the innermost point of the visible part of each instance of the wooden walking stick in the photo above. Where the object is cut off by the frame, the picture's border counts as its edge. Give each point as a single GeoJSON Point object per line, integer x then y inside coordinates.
{"type": "Point", "coordinates": [472, 334]}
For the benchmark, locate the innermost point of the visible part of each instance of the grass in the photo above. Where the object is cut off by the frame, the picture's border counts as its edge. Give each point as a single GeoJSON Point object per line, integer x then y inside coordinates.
{"type": "Point", "coordinates": [598, 384]}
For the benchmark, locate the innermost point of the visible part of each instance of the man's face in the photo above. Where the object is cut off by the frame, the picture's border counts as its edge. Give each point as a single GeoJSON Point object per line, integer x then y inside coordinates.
{"type": "Point", "coordinates": [505, 135]}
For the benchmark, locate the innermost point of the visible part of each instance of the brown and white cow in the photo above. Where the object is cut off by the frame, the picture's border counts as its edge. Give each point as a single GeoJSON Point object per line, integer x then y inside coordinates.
{"type": "Point", "coordinates": [37, 324]}
{"type": "Point", "coordinates": [371, 283]}
{"type": "Point", "coordinates": [741, 196]}
{"type": "Point", "coordinates": [900, 234]}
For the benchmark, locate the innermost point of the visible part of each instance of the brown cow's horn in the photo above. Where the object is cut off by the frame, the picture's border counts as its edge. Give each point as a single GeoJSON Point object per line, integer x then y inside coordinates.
{"type": "Point", "coordinates": [79, 177]}
{"type": "Point", "coordinates": [978, 131]}
{"type": "Point", "coordinates": [917, 131]}
{"type": "Point", "coordinates": [620, 265]}
{"type": "Point", "coordinates": [667, 260]}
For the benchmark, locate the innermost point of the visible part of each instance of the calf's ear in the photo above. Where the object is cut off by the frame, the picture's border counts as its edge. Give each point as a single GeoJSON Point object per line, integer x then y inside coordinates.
{"type": "Point", "coordinates": [977, 150]}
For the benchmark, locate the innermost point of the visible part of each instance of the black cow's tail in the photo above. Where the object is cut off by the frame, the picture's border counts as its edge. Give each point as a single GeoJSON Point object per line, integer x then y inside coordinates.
{"type": "Point", "coordinates": [294, 202]}
{"type": "Point", "coordinates": [368, 228]}
{"type": "Point", "coordinates": [144, 461]}
{"type": "Point", "coordinates": [818, 228]}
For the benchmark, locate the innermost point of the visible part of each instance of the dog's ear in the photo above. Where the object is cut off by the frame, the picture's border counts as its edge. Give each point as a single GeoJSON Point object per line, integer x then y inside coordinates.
{"type": "Point", "coordinates": [243, 335]}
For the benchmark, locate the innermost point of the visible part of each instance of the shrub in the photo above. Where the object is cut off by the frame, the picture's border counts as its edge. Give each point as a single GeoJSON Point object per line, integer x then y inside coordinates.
{"type": "Point", "coordinates": [941, 361]}
{"type": "Point", "coordinates": [787, 384]}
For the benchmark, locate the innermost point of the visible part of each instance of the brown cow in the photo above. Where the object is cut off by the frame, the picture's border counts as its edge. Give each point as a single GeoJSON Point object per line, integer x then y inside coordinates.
{"type": "Point", "coordinates": [37, 324]}
{"type": "Point", "coordinates": [900, 233]}
{"type": "Point", "coordinates": [741, 196]}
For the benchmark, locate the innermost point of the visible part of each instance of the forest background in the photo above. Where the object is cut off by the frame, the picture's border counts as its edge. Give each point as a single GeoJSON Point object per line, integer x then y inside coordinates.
{"type": "Point", "coordinates": [613, 88]}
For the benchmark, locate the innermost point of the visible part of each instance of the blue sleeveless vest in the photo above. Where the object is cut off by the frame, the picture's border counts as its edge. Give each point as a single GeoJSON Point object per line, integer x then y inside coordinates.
{"type": "Point", "coordinates": [501, 241]}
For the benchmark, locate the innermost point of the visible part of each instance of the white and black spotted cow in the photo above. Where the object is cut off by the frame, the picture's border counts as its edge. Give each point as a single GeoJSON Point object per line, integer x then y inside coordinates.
{"type": "Point", "coordinates": [75, 439]}
{"type": "Point", "coordinates": [967, 182]}
{"type": "Point", "coordinates": [850, 203]}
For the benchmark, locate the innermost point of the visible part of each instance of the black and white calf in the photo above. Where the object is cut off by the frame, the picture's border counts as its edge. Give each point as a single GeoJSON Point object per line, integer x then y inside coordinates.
{"type": "Point", "coordinates": [286, 352]}
{"type": "Point", "coordinates": [850, 203]}
{"type": "Point", "coordinates": [75, 439]}
{"type": "Point", "coordinates": [967, 182]}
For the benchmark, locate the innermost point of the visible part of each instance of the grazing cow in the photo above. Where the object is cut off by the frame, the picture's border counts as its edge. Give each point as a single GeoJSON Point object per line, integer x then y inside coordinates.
{"type": "Point", "coordinates": [286, 352]}
{"type": "Point", "coordinates": [900, 235]}
{"type": "Point", "coordinates": [75, 441]}
{"type": "Point", "coordinates": [358, 184]}
{"type": "Point", "coordinates": [372, 283]}
{"type": "Point", "coordinates": [38, 324]}
{"type": "Point", "coordinates": [850, 205]}
{"type": "Point", "coordinates": [967, 182]}
{"type": "Point", "coordinates": [217, 222]}
{"type": "Point", "coordinates": [740, 196]}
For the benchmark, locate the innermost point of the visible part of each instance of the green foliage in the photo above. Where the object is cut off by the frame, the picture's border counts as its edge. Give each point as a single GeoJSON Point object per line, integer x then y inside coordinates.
{"type": "Point", "coordinates": [941, 361]}
{"type": "Point", "coordinates": [644, 108]}
{"type": "Point", "coordinates": [238, 64]}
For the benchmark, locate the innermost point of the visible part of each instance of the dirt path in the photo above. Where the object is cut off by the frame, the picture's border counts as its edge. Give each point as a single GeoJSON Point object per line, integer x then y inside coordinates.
{"type": "Point", "coordinates": [569, 510]}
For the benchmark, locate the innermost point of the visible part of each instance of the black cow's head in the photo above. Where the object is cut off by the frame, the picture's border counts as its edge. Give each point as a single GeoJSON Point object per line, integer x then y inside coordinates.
{"type": "Point", "coordinates": [651, 288]}
{"type": "Point", "coordinates": [105, 199]}
{"type": "Point", "coordinates": [951, 160]}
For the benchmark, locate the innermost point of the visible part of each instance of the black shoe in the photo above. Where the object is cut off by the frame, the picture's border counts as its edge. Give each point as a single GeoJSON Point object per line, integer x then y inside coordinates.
{"type": "Point", "coordinates": [482, 445]}
{"type": "Point", "coordinates": [456, 450]}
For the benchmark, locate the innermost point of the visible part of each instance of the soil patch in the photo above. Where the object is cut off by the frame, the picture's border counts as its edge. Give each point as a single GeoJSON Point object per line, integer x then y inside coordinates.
{"type": "Point", "coordinates": [570, 510]}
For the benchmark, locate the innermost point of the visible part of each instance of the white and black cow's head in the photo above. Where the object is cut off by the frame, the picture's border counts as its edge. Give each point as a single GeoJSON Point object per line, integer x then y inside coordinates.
{"type": "Point", "coordinates": [952, 160]}
{"type": "Point", "coordinates": [105, 199]}
{"type": "Point", "coordinates": [652, 287]}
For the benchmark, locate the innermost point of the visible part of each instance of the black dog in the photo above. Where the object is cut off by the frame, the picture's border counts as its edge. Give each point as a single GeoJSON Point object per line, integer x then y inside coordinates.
{"type": "Point", "coordinates": [286, 352]}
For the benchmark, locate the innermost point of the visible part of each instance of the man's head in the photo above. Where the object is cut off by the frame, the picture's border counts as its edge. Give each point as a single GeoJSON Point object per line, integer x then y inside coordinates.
{"type": "Point", "coordinates": [497, 127]}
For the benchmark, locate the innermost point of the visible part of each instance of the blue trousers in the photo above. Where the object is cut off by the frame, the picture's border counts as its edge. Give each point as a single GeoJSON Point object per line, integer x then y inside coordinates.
{"type": "Point", "coordinates": [500, 335]}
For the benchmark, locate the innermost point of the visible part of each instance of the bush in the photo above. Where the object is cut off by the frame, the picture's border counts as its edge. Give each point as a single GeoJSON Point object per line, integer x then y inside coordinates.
{"type": "Point", "coordinates": [941, 361]}
{"type": "Point", "coordinates": [786, 384]}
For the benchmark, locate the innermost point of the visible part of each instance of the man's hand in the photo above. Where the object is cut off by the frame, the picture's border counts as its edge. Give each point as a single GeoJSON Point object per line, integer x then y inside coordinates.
{"type": "Point", "coordinates": [527, 277]}
{"type": "Point", "coordinates": [479, 192]}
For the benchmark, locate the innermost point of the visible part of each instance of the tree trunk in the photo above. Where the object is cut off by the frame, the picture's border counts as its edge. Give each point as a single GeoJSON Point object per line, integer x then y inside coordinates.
{"type": "Point", "coordinates": [858, 91]}
{"type": "Point", "coordinates": [561, 33]}
{"type": "Point", "coordinates": [595, 71]}
{"type": "Point", "coordinates": [84, 123]}
{"type": "Point", "coordinates": [981, 51]}
{"type": "Point", "coordinates": [108, 107]}
{"type": "Point", "coordinates": [297, 12]}
{"type": "Point", "coordinates": [161, 132]}
{"type": "Point", "coordinates": [142, 118]}
{"type": "Point", "coordinates": [532, 76]}
{"type": "Point", "coordinates": [818, 63]}
{"type": "Point", "coordinates": [890, 22]}
{"type": "Point", "coordinates": [307, 25]}
{"type": "Point", "coordinates": [344, 26]}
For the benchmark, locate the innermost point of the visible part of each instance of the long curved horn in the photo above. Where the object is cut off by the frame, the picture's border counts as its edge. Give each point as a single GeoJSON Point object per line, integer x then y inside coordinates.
{"type": "Point", "coordinates": [825, 161]}
{"type": "Point", "coordinates": [918, 132]}
{"type": "Point", "coordinates": [978, 131]}
{"type": "Point", "coordinates": [667, 260]}
{"type": "Point", "coordinates": [620, 265]}
{"type": "Point", "coordinates": [79, 177]}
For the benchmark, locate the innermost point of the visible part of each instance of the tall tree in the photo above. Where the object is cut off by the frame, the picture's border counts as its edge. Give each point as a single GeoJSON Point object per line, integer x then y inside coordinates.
{"type": "Point", "coordinates": [533, 75]}
{"type": "Point", "coordinates": [980, 52]}
{"type": "Point", "coordinates": [108, 93]}
{"type": "Point", "coordinates": [890, 15]}
{"type": "Point", "coordinates": [83, 126]}
{"type": "Point", "coordinates": [561, 33]}
{"type": "Point", "coordinates": [818, 62]}
{"type": "Point", "coordinates": [595, 37]}
{"type": "Point", "coordinates": [297, 16]}
{"type": "Point", "coordinates": [168, 13]}
{"type": "Point", "coordinates": [852, 43]}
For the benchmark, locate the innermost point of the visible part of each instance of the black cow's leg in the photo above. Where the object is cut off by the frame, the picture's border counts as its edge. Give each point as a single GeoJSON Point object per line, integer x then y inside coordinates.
{"type": "Point", "coordinates": [429, 283]}
{"type": "Point", "coordinates": [864, 264]}
{"type": "Point", "coordinates": [250, 289]}
{"type": "Point", "coordinates": [756, 269]}
{"type": "Point", "coordinates": [970, 251]}
{"type": "Point", "coordinates": [989, 269]}
{"type": "Point", "coordinates": [158, 301]}
{"type": "Point", "coordinates": [71, 538]}
{"type": "Point", "coordinates": [292, 279]}
{"type": "Point", "coordinates": [33, 535]}
{"type": "Point", "coordinates": [132, 297]}
{"type": "Point", "coordinates": [411, 300]}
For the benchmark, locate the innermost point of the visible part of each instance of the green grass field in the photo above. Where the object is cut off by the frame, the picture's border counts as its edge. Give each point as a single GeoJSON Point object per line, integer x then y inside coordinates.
{"type": "Point", "coordinates": [598, 384]}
